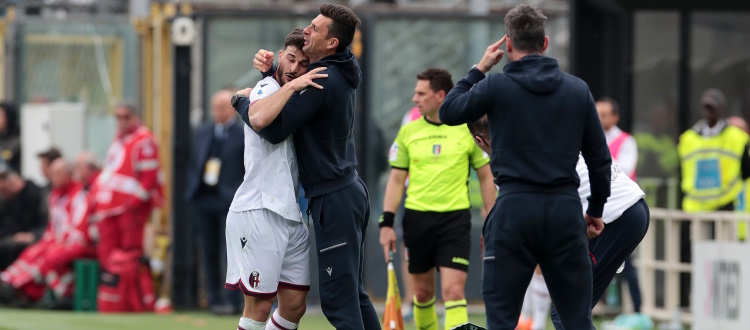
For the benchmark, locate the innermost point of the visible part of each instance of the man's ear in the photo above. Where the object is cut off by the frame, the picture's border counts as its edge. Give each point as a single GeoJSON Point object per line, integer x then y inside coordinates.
{"type": "Point", "coordinates": [546, 43]}
{"type": "Point", "coordinates": [332, 43]}
{"type": "Point", "coordinates": [441, 95]}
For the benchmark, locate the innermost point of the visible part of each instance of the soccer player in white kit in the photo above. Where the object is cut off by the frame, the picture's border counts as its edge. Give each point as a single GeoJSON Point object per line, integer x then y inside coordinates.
{"type": "Point", "coordinates": [267, 241]}
{"type": "Point", "coordinates": [626, 218]}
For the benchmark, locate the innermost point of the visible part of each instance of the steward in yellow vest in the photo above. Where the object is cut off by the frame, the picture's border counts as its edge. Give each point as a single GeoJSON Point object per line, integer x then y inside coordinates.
{"type": "Point", "coordinates": [714, 159]}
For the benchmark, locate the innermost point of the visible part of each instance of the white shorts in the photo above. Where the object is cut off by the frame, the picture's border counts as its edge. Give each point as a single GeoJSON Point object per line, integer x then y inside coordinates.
{"type": "Point", "coordinates": [266, 251]}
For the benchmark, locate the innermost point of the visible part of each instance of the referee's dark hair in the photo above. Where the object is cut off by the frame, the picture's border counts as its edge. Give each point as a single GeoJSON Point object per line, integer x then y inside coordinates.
{"type": "Point", "coordinates": [343, 26]}
{"type": "Point", "coordinates": [524, 24]}
{"type": "Point", "coordinates": [295, 38]}
{"type": "Point", "coordinates": [612, 102]}
{"type": "Point", "coordinates": [440, 79]}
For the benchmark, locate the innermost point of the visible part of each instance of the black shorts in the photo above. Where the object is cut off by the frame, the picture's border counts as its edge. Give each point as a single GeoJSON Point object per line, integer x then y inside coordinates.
{"type": "Point", "coordinates": [437, 239]}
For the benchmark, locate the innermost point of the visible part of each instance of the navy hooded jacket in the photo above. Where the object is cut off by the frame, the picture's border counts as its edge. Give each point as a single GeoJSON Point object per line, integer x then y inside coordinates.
{"type": "Point", "coordinates": [540, 118]}
{"type": "Point", "coordinates": [322, 122]}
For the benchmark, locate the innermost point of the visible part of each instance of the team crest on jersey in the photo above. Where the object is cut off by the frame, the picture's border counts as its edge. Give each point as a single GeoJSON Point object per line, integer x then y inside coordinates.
{"type": "Point", "coordinates": [260, 91]}
{"type": "Point", "coordinates": [436, 148]}
{"type": "Point", "coordinates": [254, 279]}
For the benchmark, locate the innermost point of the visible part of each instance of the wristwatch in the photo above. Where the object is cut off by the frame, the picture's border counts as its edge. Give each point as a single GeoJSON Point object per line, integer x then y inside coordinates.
{"type": "Point", "coordinates": [236, 99]}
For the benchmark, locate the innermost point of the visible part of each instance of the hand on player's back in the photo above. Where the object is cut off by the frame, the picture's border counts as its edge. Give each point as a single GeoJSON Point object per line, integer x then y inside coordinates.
{"type": "Point", "coordinates": [245, 91]}
{"type": "Point", "coordinates": [307, 79]}
{"type": "Point", "coordinates": [263, 60]}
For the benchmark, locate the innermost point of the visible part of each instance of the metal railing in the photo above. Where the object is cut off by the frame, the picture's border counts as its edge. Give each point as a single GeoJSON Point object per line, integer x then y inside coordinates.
{"type": "Point", "coordinates": [661, 259]}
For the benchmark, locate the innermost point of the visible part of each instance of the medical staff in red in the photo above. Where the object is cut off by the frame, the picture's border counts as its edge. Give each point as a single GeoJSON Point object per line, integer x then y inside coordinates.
{"type": "Point", "coordinates": [622, 146]}
{"type": "Point", "coordinates": [48, 262]}
{"type": "Point", "coordinates": [127, 189]}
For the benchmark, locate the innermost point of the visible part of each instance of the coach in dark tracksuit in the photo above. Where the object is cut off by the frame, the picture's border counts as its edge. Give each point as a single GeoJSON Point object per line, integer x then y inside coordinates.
{"type": "Point", "coordinates": [540, 119]}
{"type": "Point", "coordinates": [322, 119]}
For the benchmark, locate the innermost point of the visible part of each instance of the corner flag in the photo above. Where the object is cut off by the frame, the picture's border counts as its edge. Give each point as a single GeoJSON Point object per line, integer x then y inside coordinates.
{"type": "Point", "coordinates": [392, 318]}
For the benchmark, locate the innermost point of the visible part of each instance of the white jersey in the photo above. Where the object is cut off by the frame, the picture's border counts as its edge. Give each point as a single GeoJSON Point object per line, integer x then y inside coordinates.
{"type": "Point", "coordinates": [271, 176]}
{"type": "Point", "coordinates": [624, 191]}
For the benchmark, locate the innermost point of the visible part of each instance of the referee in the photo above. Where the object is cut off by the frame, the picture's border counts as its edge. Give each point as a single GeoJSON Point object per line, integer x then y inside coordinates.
{"type": "Point", "coordinates": [437, 221]}
{"type": "Point", "coordinates": [540, 119]}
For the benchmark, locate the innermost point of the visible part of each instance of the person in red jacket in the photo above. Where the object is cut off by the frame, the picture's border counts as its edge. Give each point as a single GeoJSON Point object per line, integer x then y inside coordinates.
{"type": "Point", "coordinates": [128, 187]}
{"type": "Point", "coordinates": [48, 262]}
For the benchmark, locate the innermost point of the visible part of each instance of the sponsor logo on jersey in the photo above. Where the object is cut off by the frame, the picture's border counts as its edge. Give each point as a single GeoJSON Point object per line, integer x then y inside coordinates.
{"type": "Point", "coordinates": [436, 148]}
{"type": "Point", "coordinates": [254, 279]}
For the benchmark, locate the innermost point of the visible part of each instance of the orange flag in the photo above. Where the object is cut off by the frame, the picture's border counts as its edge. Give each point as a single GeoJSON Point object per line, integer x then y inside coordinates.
{"type": "Point", "coordinates": [392, 318]}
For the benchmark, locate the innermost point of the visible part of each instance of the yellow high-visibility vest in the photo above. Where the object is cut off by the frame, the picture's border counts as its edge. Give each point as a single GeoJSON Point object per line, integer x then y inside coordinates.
{"type": "Point", "coordinates": [711, 168]}
{"type": "Point", "coordinates": [743, 205]}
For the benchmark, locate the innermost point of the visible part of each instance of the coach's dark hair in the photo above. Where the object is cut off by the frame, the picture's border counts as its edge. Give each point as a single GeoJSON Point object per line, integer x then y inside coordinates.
{"type": "Point", "coordinates": [524, 24]}
{"type": "Point", "coordinates": [440, 79]}
{"type": "Point", "coordinates": [343, 26]}
{"type": "Point", "coordinates": [295, 38]}
{"type": "Point", "coordinates": [480, 127]}
{"type": "Point", "coordinates": [612, 102]}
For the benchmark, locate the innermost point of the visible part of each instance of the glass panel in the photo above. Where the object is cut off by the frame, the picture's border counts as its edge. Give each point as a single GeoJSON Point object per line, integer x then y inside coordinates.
{"type": "Point", "coordinates": [720, 58]}
{"type": "Point", "coordinates": [655, 95]}
{"type": "Point", "coordinates": [231, 44]}
{"type": "Point", "coordinates": [94, 63]}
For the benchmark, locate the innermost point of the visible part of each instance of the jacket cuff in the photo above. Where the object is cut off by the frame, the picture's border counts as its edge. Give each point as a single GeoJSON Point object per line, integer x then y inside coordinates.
{"type": "Point", "coordinates": [595, 209]}
{"type": "Point", "coordinates": [474, 76]}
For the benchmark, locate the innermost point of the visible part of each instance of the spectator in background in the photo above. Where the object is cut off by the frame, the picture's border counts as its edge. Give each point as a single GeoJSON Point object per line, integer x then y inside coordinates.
{"type": "Point", "coordinates": [47, 264]}
{"type": "Point", "coordinates": [742, 204]}
{"type": "Point", "coordinates": [128, 188]}
{"type": "Point", "coordinates": [624, 151]}
{"type": "Point", "coordinates": [10, 139]}
{"type": "Point", "coordinates": [622, 146]}
{"type": "Point", "coordinates": [215, 172]}
{"type": "Point", "coordinates": [714, 159]}
{"type": "Point", "coordinates": [86, 169]}
{"type": "Point", "coordinates": [45, 159]}
{"type": "Point", "coordinates": [22, 215]}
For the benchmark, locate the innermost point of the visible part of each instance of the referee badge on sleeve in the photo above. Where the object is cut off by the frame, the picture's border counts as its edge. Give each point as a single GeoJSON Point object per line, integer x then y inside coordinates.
{"type": "Point", "coordinates": [393, 153]}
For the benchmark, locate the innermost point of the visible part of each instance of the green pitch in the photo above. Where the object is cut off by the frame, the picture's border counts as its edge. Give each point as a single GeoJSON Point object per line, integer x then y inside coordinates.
{"type": "Point", "coordinates": [19, 319]}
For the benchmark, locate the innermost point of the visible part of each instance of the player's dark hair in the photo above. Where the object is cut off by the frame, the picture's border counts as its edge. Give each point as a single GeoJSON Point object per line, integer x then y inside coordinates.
{"type": "Point", "coordinates": [524, 24]}
{"type": "Point", "coordinates": [480, 127]}
{"type": "Point", "coordinates": [295, 38]}
{"type": "Point", "coordinates": [612, 102]}
{"type": "Point", "coordinates": [343, 26]}
{"type": "Point", "coordinates": [440, 79]}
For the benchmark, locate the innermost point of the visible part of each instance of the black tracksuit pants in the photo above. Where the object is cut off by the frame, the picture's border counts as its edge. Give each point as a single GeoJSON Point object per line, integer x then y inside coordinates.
{"type": "Point", "coordinates": [340, 220]}
{"type": "Point", "coordinates": [529, 228]}
{"type": "Point", "coordinates": [611, 248]}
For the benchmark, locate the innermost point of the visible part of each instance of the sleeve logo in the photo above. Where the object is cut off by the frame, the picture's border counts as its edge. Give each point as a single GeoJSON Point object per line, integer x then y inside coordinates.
{"type": "Point", "coordinates": [393, 153]}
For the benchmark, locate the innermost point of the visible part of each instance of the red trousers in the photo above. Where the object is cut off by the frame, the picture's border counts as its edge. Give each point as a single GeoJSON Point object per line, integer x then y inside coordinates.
{"type": "Point", "coordinates": [45, 264]}
{"type": "Point", "coordinates": [123, 232]}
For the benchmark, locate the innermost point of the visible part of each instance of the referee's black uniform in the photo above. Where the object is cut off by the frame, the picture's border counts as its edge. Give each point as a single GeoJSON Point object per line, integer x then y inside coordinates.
{"type": "Point", "coordinates": [540, 119]}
